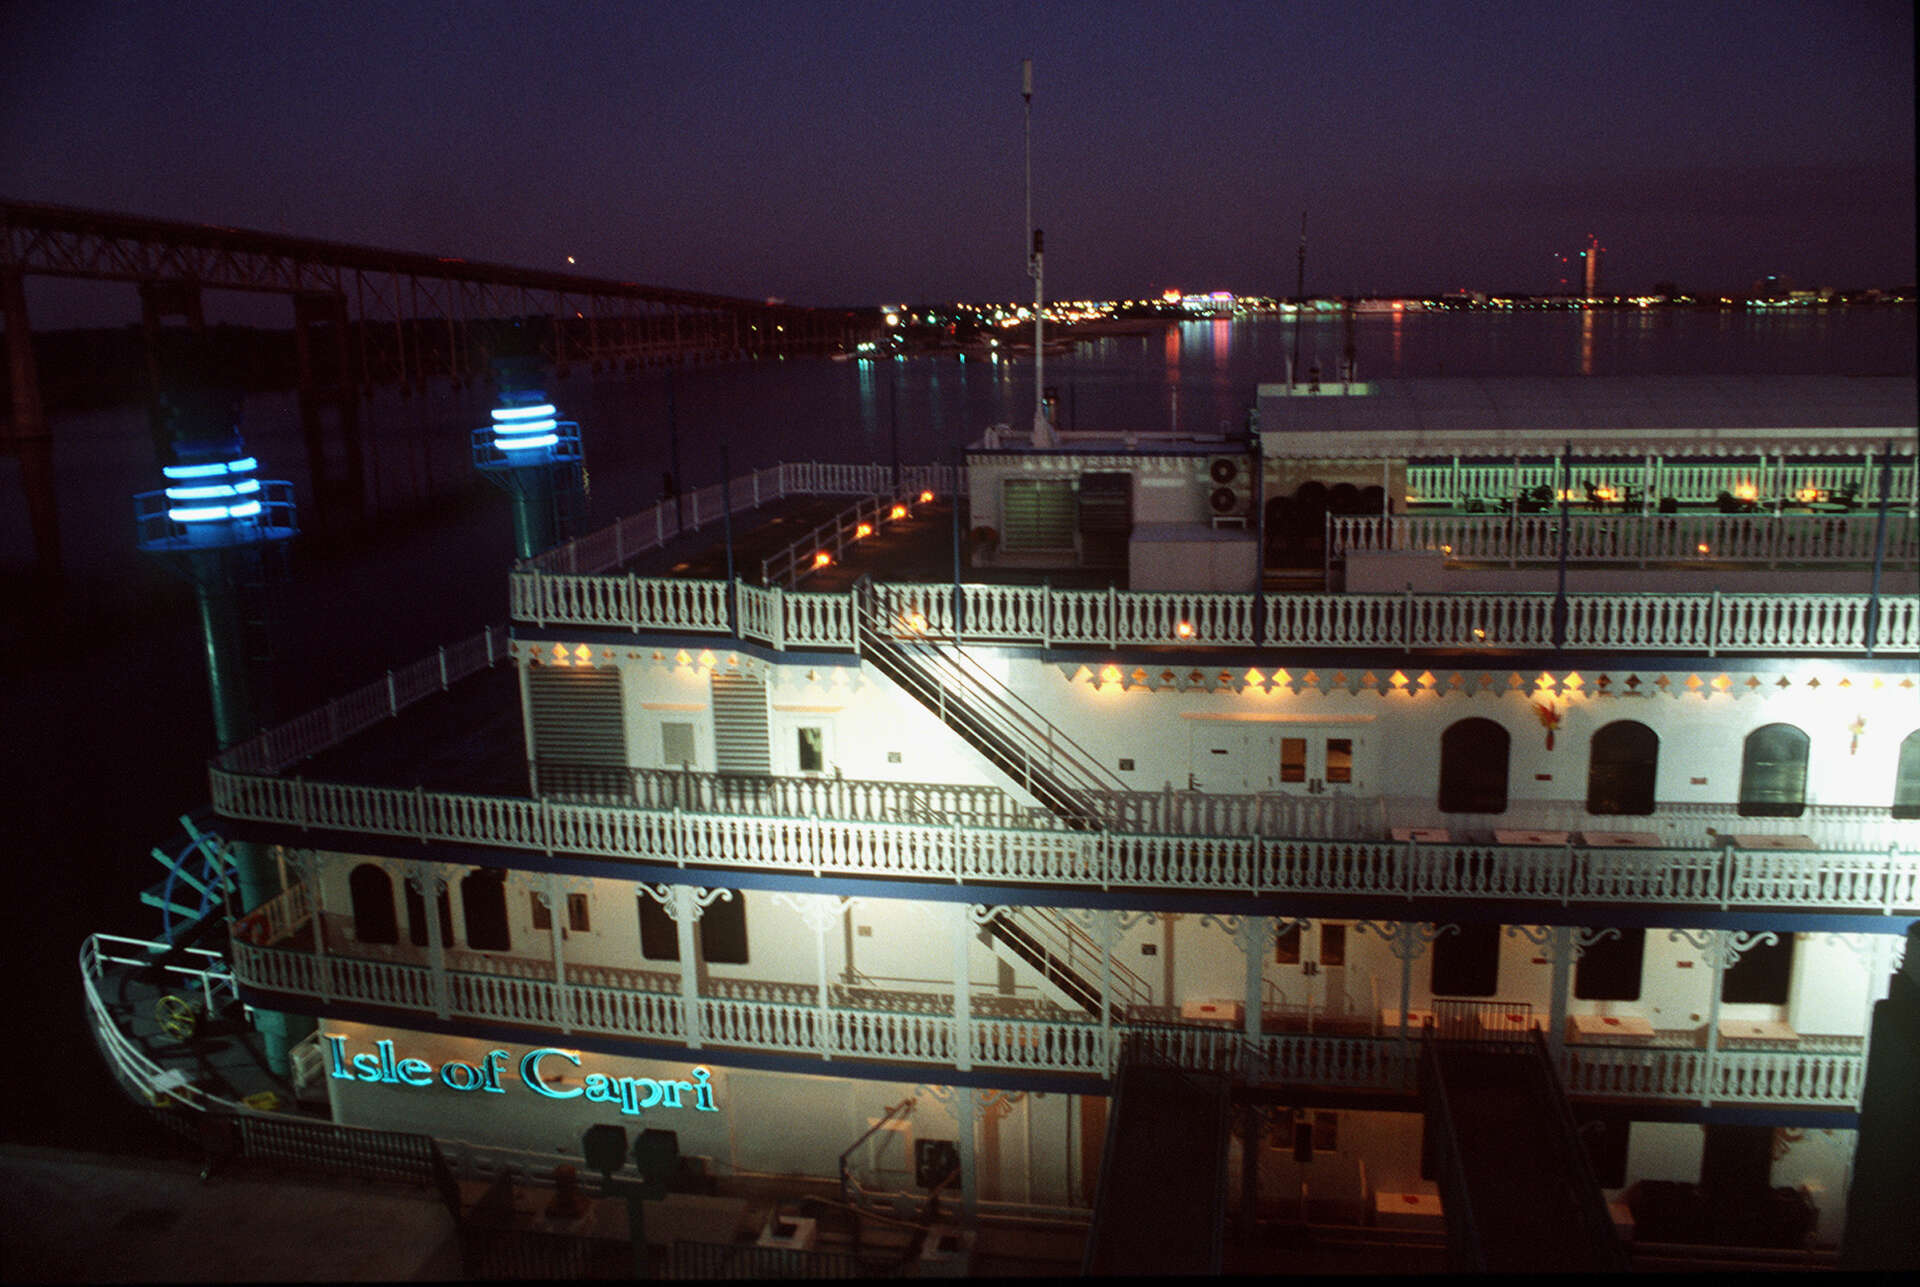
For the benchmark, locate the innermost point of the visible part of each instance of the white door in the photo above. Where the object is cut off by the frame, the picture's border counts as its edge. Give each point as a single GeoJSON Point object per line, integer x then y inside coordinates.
{"type": "Point", "coordinates": [1311, 971]}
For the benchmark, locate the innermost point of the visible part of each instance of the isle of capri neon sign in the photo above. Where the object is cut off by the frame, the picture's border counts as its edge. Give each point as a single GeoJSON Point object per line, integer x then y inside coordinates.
{"type": "Point", "coordinates": [633, 1095]}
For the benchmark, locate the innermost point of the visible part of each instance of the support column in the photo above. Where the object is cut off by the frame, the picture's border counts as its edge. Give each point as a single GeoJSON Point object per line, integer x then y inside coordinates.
{"type": "Point", "coordinates": [1407, 940]}
{"type": "Point", "coordinates": [430, 886]}
{"type": "Point", "coordinates": [1562, 946]}
{"type": "Point", "coordinates": [27, 434]}
{"type": "Point", "coordinates": [684, 904]}
{"type": "Point", "coordinates": [961, 919]}
{"type": "Point", "coordinates": [309, 868]}
{"type": "Point", "coordinates": [820, 912]}
{"type": "Point", "coordinates": [1720, 948]}
{"type": "Point", "coordinates": [1249, 1170]}
{"type": "Point", "coordinates": [966, 1115]}
{"type": "Point", "coordinates": [552, 893]}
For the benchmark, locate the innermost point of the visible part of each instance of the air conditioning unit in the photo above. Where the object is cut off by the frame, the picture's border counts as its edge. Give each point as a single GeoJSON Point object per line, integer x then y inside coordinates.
{"type": "Point", "coordinates": [1229, 493]}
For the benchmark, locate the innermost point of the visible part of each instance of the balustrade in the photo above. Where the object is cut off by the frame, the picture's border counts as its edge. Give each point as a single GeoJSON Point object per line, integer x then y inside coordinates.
{"type": "Point", "coordinates": [1715, 539]}
{"type": "Point", "coordinates": [768, 1015]}
{"type": "Point", "coordinates": [1024, 855]}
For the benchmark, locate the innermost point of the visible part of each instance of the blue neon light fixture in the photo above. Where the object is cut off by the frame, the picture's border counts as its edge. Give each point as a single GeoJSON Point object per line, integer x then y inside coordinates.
{"type": "Point", "coordinates": [239, 483]}
{"type": "Point", "coordinates": [523, 429]}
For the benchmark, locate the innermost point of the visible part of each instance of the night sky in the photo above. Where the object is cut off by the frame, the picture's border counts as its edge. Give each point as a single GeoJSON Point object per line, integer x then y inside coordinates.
{"type": "Point", "coordinates": [860, 153]}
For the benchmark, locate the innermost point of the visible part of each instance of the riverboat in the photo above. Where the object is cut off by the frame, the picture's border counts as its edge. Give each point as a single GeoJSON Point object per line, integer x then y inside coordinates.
{"type": "Point", "coordinates": [1429, 794]}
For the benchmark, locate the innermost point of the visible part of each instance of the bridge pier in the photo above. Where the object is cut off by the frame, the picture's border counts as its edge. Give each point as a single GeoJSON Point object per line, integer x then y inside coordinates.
{"type": "Point", "coordinates": [28, 437]}
{"type": "Point", "coordinates": [339, 490]}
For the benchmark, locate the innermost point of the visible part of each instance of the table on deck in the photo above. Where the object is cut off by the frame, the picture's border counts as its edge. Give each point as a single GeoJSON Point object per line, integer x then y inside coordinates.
{"type": "Point", "coordinates": [1793, 842]}
{"type": "Point", "coordinates": [1425, 835]}
{"type": "Point", "coordinates": [1213, 1012]}
{"type": "Point", "coordinates": [1621, 839]}
{"type": "Point", "coordinates": [1407, 1210]}
{"type": "Point", "coordinates": [1531, 837]}
{"type": "Point", "coordinates": [1740, 1031]}
{"type": "Point", "coordinates": [1611, 1029]}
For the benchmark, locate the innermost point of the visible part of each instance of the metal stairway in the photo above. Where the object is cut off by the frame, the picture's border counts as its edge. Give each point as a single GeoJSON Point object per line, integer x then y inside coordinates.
{"type": "Point", "coordinates": [1056, 771]}
{"type": "Point", "coordinates": [1060, 774]}
{"type": "Point", "coordinates": [1066, 958]}
{"type": "Point", "coordinates": [1516, 1185]}
{"type": "Point", "coordinates": [1162, 1197]}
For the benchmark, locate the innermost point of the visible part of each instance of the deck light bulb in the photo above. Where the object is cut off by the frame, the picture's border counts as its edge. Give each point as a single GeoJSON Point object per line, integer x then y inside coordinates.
{"type": "Point", "coordinates": [1184, 630]}
{"type": "Point", "coordinates": [899, 511]}
{"type": "Point", "coordinates": [926, 498]}
{"type": "Point", "coordinates": [865, 529]}
{"type": "Point", "coordinates": [821, 559]}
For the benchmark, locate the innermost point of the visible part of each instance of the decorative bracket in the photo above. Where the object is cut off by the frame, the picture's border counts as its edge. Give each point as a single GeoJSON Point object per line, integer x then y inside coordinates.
{"type": "Point", "coordinates": [1722, 948]}
{"type": "Point", "coordinates": [691, 903]}
{"type": "Point", "coordinates": [819, 911]}
{"type": "Point", "coordinates": [1407, 940]}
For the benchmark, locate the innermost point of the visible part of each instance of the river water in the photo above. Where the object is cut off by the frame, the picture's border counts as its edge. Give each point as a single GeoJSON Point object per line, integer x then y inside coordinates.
{"type": "Point", "coordinates": [103, 703]}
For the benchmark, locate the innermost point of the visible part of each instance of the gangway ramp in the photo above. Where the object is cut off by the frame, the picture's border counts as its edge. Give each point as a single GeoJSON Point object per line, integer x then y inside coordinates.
{"type": "Point", "coordinates": [1162, 1198]}
{"type": "Point", "coordinates": [1518, 1190]}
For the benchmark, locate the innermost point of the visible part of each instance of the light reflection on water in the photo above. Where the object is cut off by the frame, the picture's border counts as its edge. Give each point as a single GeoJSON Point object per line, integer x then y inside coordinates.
{"type": "Point", "coordinates": [844, 411]}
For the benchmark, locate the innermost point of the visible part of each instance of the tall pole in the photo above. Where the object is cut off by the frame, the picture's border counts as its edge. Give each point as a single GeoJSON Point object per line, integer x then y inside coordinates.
{"type": "Point", "coordinates": [1042, 431]}
{"type": "Point", "coordinates": [1299, 299]}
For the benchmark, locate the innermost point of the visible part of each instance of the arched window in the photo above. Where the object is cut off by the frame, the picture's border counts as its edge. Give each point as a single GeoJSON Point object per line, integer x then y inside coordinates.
{"type": "Point", "coordinates": [1773, 773]}
{"type": "Point", "coordinates": [1473, 767]}
{"type": "Point", "coordinates": [483, 904]}
{"type": "Point", "coordinates": [372, 893]}
{"type": "Point", "coordinates": [1621, 772]}
{"type": "Point", "coordinates": [1906, 778]}
{"type": "Point", "coordinates": [417, 917]}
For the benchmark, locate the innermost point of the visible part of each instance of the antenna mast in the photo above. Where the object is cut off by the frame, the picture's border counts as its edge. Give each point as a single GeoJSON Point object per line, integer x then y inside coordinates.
{"type": "Point", "coordinates": [1299, 298]}
{"type": "Point", "coordinates": [1042, 431]}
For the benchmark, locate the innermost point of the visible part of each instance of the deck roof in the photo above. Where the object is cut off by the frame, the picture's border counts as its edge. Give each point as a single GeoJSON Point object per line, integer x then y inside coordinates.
{"type": "Point", "coordinates": [1658, 414]}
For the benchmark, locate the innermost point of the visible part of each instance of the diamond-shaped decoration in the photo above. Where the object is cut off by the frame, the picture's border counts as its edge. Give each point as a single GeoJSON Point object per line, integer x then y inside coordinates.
{"type": "Point", "coordinates": [1396, 679]}
{"type": "Point", "coordinates": [1426, 679]}
{"type": "Point", "coordinates": [1693, 682]}
{"type": "Point", "coordinates": [1752, 683]}
{"type": "Point", "coordinates": [1663, 682]}
{"type": "Point", "coordinates": [1370, 680]}
{"type": "Point", "coordinates": [1722, 682]}
{"type": "Point", "coordinates": [1784, 682]}
{"type": "Point", "coordinates": [1514, 680]}
{"type": "Point", "coordinates": [1633, 682]}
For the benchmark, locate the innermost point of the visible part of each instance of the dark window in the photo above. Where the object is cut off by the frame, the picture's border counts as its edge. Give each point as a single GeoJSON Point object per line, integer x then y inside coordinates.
{"type": "Point", "coordinates": [1621, 772]}
{"type": "Point", "coordinates": [576, 914]}
{"type": "Point", "coordinates": [1293, 759]}
{"type": "Point", "coordinates": [1773, 773]}
{"type": "Point", "coordinates": [373, 918]}
{"type": "Point", "coordinates": [417, 917]}
{"type": "Point", "coordinates": [1610, 969]}
{"type": "Point", "coordinates": [1761, 974]}
{"type": "Point", "coordinates": [1906, 778]}
{"type": "Point", "coordinates": [812, 749]}
{"type": "Point", "coordinates": [483, 906]}
{"type": "Point", "coordinates": [1286, 946]}
{"type": "Point", "coordinates": [1339, 759]}
{"type": "Point", "coordinates": [1473, 767]}
{"type": "Point", "coordinates": [1467, 964]}
{"type": "Point", "coordinates": [658, 939]}
{"type": "Point", "coordinates": [723, 931]}
{"type": "Point", "coordinates": [1333, 945]}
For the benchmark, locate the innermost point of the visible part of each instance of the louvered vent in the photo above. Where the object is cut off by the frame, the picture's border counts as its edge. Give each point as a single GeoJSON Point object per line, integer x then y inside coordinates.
{"type": "Point", "coordinates": [577, 716]}
{"type": "Point", "coordinates": [740, 725]}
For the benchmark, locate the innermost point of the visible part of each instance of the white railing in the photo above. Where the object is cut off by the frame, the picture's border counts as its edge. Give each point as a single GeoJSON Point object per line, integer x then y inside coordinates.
{"type": "Point", "coordinates": [652, 528]}
{"type": "Point", "coordinates": [1497, 482]}
{"type": "Point", "coordinates": [1724, 1076]}
{"type": "Point", "coordinates": [204, 974]}
{"type": "Point", "coordinates": [865, 518]}
{"type": "Point", "coordinates": [341, 718]}
{"type": "Point", "coordinates": [1476, 622]}
{"type": "Point", "coordinates": [1705, 539]}
{"type": "Point", "coordinates": [1882, 882]}
{"type": "Point", "coordinates": [1382, 1063]}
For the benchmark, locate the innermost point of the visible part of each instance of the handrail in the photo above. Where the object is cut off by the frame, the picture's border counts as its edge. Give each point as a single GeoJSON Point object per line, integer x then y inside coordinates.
{"type": "Point", "coordinates": [846, 1175]}
{"type": "Point", "coordinates": [1697, 539]}
{"type": "Point", "coordinates": [1463, 1232]}
{"type": "Point", "coordinates": [1487, 623]}
{"type": "Point", "coordinates": [1887, 881]}
{"type": "Point", "coordinates": [1018, 719]}
{"type": "Point", "coordinates": [1576, 1168]}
